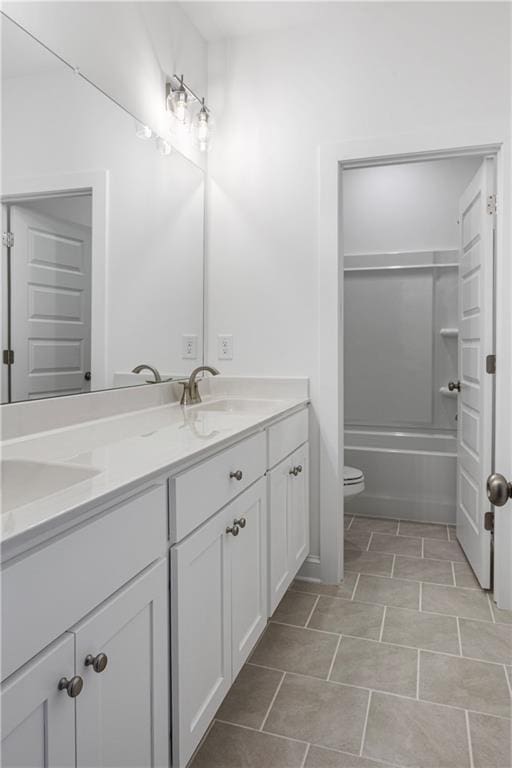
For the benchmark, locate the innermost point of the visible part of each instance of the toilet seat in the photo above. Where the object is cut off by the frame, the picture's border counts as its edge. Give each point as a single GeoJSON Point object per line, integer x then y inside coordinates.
{"type": "Point", "coordinates": [353, 482]}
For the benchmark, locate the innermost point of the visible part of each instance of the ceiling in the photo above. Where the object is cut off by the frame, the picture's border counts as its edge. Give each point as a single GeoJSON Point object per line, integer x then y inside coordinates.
{"type": "Point", "coordinates": [217, 20]}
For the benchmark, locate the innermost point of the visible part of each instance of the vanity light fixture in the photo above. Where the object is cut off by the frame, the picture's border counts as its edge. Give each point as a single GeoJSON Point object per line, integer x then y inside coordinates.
{"type": "Point", "coordinates": [180, 102]}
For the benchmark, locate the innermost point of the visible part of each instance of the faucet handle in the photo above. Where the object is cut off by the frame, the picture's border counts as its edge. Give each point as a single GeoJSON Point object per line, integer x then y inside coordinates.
{"type": "Point", "coordinates": [185, 395]}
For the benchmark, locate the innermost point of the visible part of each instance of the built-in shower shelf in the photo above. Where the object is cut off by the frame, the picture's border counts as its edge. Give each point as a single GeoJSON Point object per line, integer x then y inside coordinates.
{"type": "Point", "coordinates": [450, 333]}
{"type": "Point", "coordinates": [447, 392]}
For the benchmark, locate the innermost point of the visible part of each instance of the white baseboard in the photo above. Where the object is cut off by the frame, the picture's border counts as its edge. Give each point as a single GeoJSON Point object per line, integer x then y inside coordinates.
{"type": "Point", "coordinates": [310, 570]}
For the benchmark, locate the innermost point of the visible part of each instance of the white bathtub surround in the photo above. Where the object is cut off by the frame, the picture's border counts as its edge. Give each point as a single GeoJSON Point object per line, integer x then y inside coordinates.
{"type": "Point", "coordinates": [408, 475]}
{"type": "Point", "coordinates": [110, 441]}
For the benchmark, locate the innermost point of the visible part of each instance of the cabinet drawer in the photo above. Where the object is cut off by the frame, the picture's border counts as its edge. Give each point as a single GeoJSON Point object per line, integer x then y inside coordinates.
{"type": "Point", "coordinates": [199, 492]}
{"type": "Point", "coordinates": [49, 590]}
{"type": "Point", "coordinates": [285, 436]}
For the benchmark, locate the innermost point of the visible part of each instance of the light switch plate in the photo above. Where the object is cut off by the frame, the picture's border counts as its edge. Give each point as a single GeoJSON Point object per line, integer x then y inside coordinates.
{"type": "Point", "coordinates": [225, 346]}
{"type": "Point", "coordinates": [189, 346]}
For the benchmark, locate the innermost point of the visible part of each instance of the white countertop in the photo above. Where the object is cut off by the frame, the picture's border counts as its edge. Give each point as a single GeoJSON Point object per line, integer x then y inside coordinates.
{"type": "Point", "coordinates": [124, 450]}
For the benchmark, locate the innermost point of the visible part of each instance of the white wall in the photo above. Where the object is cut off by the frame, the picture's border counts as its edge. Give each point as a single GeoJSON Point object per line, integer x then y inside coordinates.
{"type": "Point", "coordinates": [381, 69]}
{"type": "Point", "coordinates": [127, 48]}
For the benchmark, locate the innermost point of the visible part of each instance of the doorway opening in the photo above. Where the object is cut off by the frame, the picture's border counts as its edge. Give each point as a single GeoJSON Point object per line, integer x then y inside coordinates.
{"type": "Point", "coordinates": [418, 347]}
{"type": "Point", "coordinates": [46, 301]}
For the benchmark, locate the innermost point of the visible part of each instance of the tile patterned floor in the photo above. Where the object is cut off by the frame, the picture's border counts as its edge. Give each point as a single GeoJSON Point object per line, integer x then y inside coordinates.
{"type": "Point", "coordinates": [406, 663]}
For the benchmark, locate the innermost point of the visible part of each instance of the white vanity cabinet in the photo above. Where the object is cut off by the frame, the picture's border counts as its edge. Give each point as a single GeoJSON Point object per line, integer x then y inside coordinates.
{"type": "Point", "coordinates": [218, 611]}
{"type": "Point", "coordinates": [117, 715]}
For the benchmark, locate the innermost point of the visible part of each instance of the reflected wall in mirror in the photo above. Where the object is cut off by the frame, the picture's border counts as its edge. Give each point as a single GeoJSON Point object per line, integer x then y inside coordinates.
{"type": "Point", "coordinates": [103, 267]}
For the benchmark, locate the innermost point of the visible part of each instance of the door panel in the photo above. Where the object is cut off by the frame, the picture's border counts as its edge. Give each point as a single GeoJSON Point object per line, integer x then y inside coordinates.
{"type": "Point", "coordinates": [279, 534]}
{"type": "Point", "coordinates": [38, 720]}
{"type": "Point", "coordinates": [201, 633]}
{"type": "Point", "coordinates": [123, 712]}
{"type": "Point", "coordinates": [475, 401]}
{"type": "Point", "coordinates": [51, 288]}
{"type": "Point", "coordinates": [299, 509]}
{"type": "Point", "coordinates": [248, 557]}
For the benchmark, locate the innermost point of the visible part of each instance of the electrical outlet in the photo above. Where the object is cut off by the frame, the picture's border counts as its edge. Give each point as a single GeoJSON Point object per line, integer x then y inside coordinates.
{"type": "Point", "coordinates": [189, 347]}
{"type": "Point", "coordinates": [225, 347]}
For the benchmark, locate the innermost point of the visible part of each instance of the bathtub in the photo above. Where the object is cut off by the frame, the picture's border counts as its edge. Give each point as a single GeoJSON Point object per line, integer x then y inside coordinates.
{"type": "Point", "coordinates": [409, 475]}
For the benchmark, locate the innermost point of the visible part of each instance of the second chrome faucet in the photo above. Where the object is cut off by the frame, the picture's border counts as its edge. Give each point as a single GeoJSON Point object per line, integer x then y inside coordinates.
{"type": "Point", "coordinates": [191, 394]}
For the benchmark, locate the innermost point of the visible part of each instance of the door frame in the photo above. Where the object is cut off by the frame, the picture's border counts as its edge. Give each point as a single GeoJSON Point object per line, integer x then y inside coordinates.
{"type": "Point", "coordinates": [95, 182]}
{"type": "Point", "coordinates": [327, 390]}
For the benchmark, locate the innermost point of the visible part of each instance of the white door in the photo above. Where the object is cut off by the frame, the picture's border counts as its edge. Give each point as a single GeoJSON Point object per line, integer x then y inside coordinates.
{"type": "Point", "coordinates": [248, 559]}
{"type": "Point", "coordinates": [299, 508]}
{"type": "Point", "coordinates": [279, 480]}
{"type": "Point", "coordinates": [475, 400]}
{"type": "Point", "coordinates": [38, 719]}
{"type": "Point", "coordinates": [201, 633]}
{"type": "Point", "coordinates": [122, 713]}
{"type": "Point", "coordinates": [51, 305]}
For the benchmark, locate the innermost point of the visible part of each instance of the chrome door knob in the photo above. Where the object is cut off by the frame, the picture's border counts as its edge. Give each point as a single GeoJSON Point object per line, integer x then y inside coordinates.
{"type": "Point", "coordinates": [241, 522]}
{"type": "Point", "coordinates": [499, 491]}
{"type": "Point", "coordinates": [233, 529]}
{"type": "Point", "coordinates": [72, 687]}
{"type": "Point", "coordinates": [98, 662]}
{"type": "Point", "coordinates": [454, 385]}
{"type": "Point", "coordinates": [236, 475]}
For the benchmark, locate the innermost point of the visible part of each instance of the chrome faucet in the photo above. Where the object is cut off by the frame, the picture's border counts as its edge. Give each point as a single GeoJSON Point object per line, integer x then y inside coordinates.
{"type": "Point", "coordinates": [154, 371]}
{"type": "Point", "coordinates": [191, 394]}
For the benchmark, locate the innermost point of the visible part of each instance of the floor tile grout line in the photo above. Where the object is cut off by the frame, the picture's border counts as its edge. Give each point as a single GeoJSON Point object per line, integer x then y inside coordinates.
{"type": "Point", "coordinates": [454, 577]}
{"type": "Point", "coordinates": [257, 730]}
{"type": "Point", "coordinates": [333, 660]}
{"type": "Point", "coordinates": [507, 678]}
{"type": "Point", "coordinates": [369, 541]}
{"type": "Point", "coordinates": [365, 724]}
{"type": "Point", "coordinates": [306, 753]}
{"type": "Point", "coordinates": [405, 578]}
{"type": "Point", "coordinates": [312, 612]}
{"type": "Point", "coordinates": [382, 623]}
{"type": "Point", "coordinates": [468, 735]}
{"type": "Point", "coordinates": [375, 690]}
{"type": "Point", "coordinates": [418, 676]}
{"type": "Point", "coordinates": [355, 587]}
{"type": "Point", "coordinates": [274, 697]}
{"type": "Point", "coordinates": [421, 597]}
{"type": "Point", "coordinates": [491, 608]}
{"type": "Point", "coordinates": [393, 568]}
{"type": "Point", "coordinates": [349, 526]}
{"type": "Point", "coordinates": [459, 635]}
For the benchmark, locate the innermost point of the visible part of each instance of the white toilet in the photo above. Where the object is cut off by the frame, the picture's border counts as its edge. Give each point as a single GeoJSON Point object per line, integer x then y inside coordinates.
{"type": "Point", "coordinates": [353, 482]}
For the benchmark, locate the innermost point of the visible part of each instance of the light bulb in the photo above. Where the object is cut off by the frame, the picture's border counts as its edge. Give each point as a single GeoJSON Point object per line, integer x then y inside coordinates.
{"type": "Point", "coordinates": [163, 146]}
{"type": "Point", "coordinates": [177, 103]}
{"type": "Point", "coordinates": [202, 128]}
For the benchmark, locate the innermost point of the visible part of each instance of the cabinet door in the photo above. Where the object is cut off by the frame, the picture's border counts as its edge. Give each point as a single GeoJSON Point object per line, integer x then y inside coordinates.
{"type": "Point", "coordinates": [279, 481]}
{"type": "Point", "coordinates": [299, 509]}
{"type": "Point", "coordinates": [122, 714]}
{"type": "Point", "coordinates": [201, 633]}
{"type": "Point", "coordinates": [38, 720]}
{"type": "Point", "coordinates": [248, 557]}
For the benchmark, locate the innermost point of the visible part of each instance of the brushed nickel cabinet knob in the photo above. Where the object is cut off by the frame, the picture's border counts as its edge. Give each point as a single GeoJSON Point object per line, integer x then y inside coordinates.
{"type": "Point", "coordinates": [233, 529]}
{"type": "Point", "coordinates": [241, 522]}
{"type": "Point", "coordinates": [98, 662]}
{"type": "Point", "coordinates": [72, 687]}
{"type": "Point", "coordinates": [236, 475]}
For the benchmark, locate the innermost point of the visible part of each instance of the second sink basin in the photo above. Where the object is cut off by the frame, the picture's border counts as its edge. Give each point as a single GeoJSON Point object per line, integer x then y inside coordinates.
{"type": "Point", "coordinates": [235, 405]}
{"type": "Point", "coordinates": [25, 481]}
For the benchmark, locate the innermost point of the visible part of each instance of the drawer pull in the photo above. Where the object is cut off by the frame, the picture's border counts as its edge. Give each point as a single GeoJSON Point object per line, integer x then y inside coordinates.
{"type": "Point", "coordinates": [72, 687]}
{"type": "Point", "coordinates": [236, 475]}
{"type": "Point", "coordinates": [234, 529]}
{"type": "Point", "coordinates": [241, 522]}
{"type": "Point", "coordinates": [98, 663]}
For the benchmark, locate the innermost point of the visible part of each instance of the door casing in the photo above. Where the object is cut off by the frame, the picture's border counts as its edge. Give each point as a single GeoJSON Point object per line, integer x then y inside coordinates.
{"type": "Point", "coordinates": [327, 391]}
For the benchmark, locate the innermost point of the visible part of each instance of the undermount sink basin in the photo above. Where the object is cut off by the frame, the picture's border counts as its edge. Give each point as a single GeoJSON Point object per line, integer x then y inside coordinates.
{"type": "Point", "coordinates": [26, 481]}
{"type": "Point", "coordinates": [234, 405]}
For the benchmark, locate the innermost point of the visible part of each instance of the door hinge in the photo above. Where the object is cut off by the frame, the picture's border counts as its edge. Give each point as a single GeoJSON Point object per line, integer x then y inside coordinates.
{"type": "Point", "coordinates": [491, 205]}
{"type": "Point", "coordinates": [489, 521]}
{"type": "Point", "coordinates": [490, 364]}
{"type": "Point", "coordinates": [8, 239]}
{"type": "Point", "coordinates": [8, 356]}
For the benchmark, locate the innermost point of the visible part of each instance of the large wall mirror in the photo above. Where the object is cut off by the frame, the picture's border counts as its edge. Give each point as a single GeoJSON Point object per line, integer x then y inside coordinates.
{"type": "Point", "coordinates": [103, 246]}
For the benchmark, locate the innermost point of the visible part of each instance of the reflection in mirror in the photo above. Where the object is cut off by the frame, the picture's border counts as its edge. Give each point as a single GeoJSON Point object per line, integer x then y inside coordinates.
{"type": "Point", "coordinates": [104, 256]}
